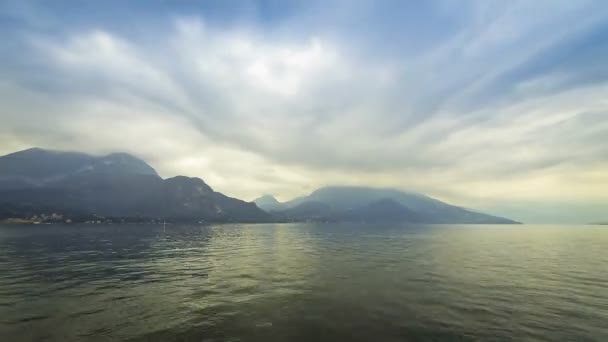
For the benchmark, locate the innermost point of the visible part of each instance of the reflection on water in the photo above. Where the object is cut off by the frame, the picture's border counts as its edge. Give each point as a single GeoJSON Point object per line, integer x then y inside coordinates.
{"type": "Point", "coordinates": [303, 282]}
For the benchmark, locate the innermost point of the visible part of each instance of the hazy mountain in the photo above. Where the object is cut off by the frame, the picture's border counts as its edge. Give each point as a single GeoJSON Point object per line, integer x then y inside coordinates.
{"type": "Point", "coordinates": [350, 197]}
{"type": "Point", "coordinates": [35, 181]}
{"type": "Point", "coordinates": [345, 201]}
{"type": "Point", "coordinates": [306, 211]}
{"type": "Point", "coordinates": [383, 210]}
{"type": "Point", "coordinates": [269, 203]}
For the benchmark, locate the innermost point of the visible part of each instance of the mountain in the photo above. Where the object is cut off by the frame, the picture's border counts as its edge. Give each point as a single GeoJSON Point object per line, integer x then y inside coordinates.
{"type": "Point", "coordinates": [37, 166]}
{"type": "Point", "coordinates": [119, 185]}
{"type": "Point", "coordinates": [269, 203]}
{"type": "Point", "coordinates": [354, 203]}
{"type": "Point", "coordinates": [39, 181]}
{"type": "Point", "coordinates": [305, 211]}
{"type": "Point", "coordinates": [192, 197]}
{"type": "Point", "coordinates": [383, 210]}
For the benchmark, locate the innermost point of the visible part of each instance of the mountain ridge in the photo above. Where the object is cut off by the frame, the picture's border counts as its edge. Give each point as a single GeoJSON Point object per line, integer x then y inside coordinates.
{"type": "Point", "coordinates": [36, 181]}
{"type": "Point", "coordinates": [121, 185]}
{"type": "Point", "coordinates": [342, 199]}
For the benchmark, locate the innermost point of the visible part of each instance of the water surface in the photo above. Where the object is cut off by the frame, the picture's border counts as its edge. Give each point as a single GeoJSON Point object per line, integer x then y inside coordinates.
{"type": "Point", "coordinates": [303, 282]}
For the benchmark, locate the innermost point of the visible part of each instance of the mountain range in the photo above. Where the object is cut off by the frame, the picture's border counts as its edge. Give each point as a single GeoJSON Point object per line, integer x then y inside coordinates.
{"type": "Point", "coordinates": [119, 185]}
{"type": "Point", "coordinates": [364, 204]}
{"type": "Point", "coordinates": [36, 181]}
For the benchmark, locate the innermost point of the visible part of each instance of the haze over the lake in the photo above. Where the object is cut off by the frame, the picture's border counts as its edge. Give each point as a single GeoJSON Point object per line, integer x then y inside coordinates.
{"type": "Point", "coordinates": [501, 106]}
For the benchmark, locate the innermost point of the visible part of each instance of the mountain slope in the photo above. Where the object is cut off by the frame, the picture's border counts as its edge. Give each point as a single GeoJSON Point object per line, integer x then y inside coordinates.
{"type": "Point", "coordinates": [305, 211]}
{"type": "Point", "coordinates": [383, 210]}
{"type": "Point", "coordinates": [193, 198]}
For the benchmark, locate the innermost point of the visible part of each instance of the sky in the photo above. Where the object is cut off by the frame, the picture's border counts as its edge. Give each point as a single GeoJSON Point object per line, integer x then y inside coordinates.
{"type": "Point", "coordinates": [500, 106]}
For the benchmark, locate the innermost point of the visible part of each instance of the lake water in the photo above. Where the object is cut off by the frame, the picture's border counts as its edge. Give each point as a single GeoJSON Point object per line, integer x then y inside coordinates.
{"type": "Point", "coordinates": [303, 282]}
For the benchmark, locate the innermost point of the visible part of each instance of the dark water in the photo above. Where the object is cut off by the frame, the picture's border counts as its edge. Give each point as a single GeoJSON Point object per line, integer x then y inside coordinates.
{"type": "Point", "coordinates": [303, 282]}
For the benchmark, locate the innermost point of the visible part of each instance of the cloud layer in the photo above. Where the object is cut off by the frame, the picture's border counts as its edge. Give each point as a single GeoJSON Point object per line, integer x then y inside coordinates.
{"type": "Point", "coordinates": [501, 106]}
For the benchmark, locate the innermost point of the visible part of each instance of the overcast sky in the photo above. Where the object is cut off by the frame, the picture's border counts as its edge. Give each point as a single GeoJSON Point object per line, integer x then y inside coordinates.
{"type": "Point", "coordinates": [500, 106]}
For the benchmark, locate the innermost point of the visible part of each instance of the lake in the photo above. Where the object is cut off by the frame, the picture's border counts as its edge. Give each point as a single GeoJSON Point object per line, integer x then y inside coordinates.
{"type": "Point", "coordinates": [303, 282]}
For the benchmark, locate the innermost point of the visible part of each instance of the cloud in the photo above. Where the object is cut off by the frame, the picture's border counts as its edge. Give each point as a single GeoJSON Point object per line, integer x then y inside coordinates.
{"type": "Point", "coordinates": [478, 104]}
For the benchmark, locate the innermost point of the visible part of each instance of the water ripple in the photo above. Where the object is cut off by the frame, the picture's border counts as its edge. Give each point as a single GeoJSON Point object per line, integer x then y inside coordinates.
{"type": "Point", "coordinates": [303, 282]}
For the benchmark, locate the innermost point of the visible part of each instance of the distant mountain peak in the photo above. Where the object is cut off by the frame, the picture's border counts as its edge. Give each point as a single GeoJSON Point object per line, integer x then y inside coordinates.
{"type": "Point", "coordinates": [268, 203]}
{"type": "Point", "coordinates": [268, 198]}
